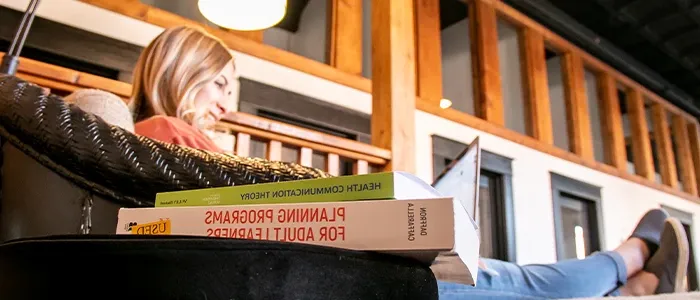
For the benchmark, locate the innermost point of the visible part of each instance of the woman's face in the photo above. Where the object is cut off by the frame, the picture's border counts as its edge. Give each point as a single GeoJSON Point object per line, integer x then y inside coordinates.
{"type": "Point", "coordinates": [213, 101]}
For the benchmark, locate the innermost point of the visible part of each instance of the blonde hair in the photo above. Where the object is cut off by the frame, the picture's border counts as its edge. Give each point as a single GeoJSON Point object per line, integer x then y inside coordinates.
{"type": "Point", "coordinates": [172, 69]}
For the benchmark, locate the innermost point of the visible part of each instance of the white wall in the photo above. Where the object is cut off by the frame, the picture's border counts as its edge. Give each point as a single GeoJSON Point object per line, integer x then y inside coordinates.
{"type": "Point", "coordinates": [623, 202]}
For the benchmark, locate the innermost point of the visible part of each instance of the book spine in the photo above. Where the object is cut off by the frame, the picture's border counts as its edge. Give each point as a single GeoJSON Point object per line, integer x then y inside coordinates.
{"type": "Point", "coordinates": [361, 225]}
{"type": "Point", "coordinates": [343, 188]}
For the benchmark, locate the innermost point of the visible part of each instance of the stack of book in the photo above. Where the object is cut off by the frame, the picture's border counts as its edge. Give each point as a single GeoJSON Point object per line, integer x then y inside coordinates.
{"type": "Point", "coordinates": [391, 212]}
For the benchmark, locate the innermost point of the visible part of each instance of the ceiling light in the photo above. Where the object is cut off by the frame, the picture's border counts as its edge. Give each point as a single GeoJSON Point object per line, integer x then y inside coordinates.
{"type": "Point", "coordinates": [445, 103]}
{"type": "Point", "coordinates": [243, 15]}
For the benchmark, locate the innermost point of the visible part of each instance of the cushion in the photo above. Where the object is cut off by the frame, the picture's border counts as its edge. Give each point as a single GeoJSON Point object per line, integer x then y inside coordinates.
{"type": "Point", "coordinates": [181, 267]}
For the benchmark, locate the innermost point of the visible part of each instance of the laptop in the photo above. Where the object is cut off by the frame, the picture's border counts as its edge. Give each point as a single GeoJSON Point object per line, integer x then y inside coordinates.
{"type": "Point", "coordinates": [460, 180]}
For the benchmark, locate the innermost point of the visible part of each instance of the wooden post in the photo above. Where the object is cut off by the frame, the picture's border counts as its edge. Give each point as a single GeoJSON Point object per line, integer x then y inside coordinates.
{"type": "Point", "coordinates": [428, 51]}
{"type": "Point", "coordinates": [243, 144]}
{"type": "Point", "coordinates": [684, 154]}
{"type": "Point", "coordinates": [394, 82]}
{"type": "Point", "coordinates": [641, 146]}
{"type": "Point", "coordinates": [694, 140]}
{"type": "Point", "coordinates": [306, 156]}
{"type": "Point", "coordinates": [664, 149]}
{"type": "Point", "coordinates": [611, 122]}
{"type": "Point", "coordinates": [274, 150]}
{"type": "Point", "coordinates": [533, 69]}
{"type": "Point", "coordinates": [361, 167]}
{"type": "Point", "coordinates": [333, 164]}
{"type": "Point", "coordinates": [344, 50]}
{"type": "Point", "coordinates": [488, 98]}
{"type": "Point", "coordinates": [578, 121]}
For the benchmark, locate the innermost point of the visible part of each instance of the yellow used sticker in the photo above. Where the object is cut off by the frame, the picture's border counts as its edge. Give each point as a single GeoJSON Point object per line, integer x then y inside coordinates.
{"type": "Point", "coordinates": [158, 227]}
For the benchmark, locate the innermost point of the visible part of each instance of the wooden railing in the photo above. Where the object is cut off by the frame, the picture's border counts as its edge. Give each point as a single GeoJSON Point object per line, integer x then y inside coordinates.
{"type": "Point", "coordinates": [338, 153]}
{"type": "Point", "coordinates": [62, 81]}
{"type": "Point", "coordinates": [304, 142]}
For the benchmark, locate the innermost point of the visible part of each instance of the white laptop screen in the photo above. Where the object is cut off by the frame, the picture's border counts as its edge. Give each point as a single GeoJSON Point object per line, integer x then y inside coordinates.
{"type": "Point", "coordinates": [460, 179]}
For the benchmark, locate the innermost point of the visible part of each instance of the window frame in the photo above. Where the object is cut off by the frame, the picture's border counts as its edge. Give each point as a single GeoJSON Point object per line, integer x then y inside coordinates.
{"type": "Point", "coordinates": [584, 192]}
{"type": "Point", "coordinates": [501, 166]}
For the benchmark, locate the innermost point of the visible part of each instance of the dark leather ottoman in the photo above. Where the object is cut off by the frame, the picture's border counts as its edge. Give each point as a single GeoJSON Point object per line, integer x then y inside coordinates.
{"type": "Point", "coordinates": [174, 267]}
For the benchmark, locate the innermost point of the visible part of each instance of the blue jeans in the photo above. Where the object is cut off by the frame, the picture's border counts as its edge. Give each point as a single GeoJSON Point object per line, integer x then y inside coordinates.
{"type": "Point", "coordinates": [600, 274]}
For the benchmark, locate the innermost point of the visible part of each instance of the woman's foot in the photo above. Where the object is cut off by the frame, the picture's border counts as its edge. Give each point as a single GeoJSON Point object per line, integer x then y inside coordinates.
{"type": "Point", "coordinates": [666, 269]}
{"type": "Point", "coordinates": [643, 242]}
{"type": "Point", "coordinates": [650, 227]}
{"type": "Point", "coordinates": [670, 263]}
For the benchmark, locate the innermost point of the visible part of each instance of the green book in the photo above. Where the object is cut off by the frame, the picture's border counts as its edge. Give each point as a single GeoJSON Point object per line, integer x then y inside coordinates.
{"type": "Point", "coordinates": [387, 185]}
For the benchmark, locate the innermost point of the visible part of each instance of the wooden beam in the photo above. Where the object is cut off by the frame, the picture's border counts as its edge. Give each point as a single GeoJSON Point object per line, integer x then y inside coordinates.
{"type": "Point", "coordinates": [488, 99]}
{"type": "Point", "coordinates": [428, 51]}
{"type": "Point", "coordinates": [641, 146]}
{"type": "Point", "coordinates": [344, 49]}
{"type": "Point", "coordinates": [684, 154]}
{"type": "Point", "coordinates": [611, 122]}
{"type": "Point", "coordinates": [394, 81]}
{"type": "Point", "coordinates": [533, 70]}
{"type": "Point", "coordinates": [256, 36]}
{"type": "Point", "coordinates": [578, 122]}
{"type": "Point", "coordinates": [664, 148]}
{"type": "Point", "coordinates": [694, 143]}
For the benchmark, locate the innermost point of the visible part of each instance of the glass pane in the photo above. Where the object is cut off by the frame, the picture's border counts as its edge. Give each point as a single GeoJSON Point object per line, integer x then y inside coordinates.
{"type": "Point", "coordinates": [557, 104]}
{"type": "Point", "coordinates": [486, 229]}
{"type": "Point", "coordinates": [366, 38]}
{"type": "Point", "coordinates": [511, 81]}
{"type": "Point", "coordinates": [290, 154]}
{"type": "Point", "coordinates": [346, 166]}
{"type": "Point", "coordinates": [626, 128]}
{"type": "Point", "coordinates": [457, 84]}
{"type": "Point", "coordinates": [575, 227]}
{"type": "Point", "coordinates": [654, 147]}
{"type": "Point", "coordinates": [594, 115]}
{"type": "Point", "coordinates": [319, 160]}
{"type": "Point", "coordinates": [258, 148]}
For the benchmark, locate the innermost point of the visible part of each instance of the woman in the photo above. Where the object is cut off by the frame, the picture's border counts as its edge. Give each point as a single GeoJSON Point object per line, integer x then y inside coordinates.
{"type": "Point", "coordinates": [182, 85]}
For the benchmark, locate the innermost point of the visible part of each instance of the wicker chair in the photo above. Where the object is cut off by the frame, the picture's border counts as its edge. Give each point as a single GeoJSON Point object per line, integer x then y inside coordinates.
{"type": "Point", "coordinates": [65, 174]}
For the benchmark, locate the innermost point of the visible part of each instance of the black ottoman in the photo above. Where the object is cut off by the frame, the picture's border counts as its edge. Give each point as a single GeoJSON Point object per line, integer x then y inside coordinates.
{"type": "Point", "coordinates": [179, 267]}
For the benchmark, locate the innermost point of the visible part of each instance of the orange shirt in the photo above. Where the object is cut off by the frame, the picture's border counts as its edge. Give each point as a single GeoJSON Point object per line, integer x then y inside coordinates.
{"type": "Point", "coordinates": [175, 131]}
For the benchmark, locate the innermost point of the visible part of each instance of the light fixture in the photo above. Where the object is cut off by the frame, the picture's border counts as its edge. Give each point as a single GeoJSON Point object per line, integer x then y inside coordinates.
{"type": "Point", "coordinates": [445, 103]}
{"type": "Point", "coordinates": [243, 15]}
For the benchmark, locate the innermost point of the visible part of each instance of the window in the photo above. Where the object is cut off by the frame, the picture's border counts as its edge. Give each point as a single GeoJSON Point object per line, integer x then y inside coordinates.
{"type": "Point", "coordinates": [691, 281]}
{"type": "Point", "coordinates": [495, 197]}
{"type": "Point", "coordinates": [577, 212]}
